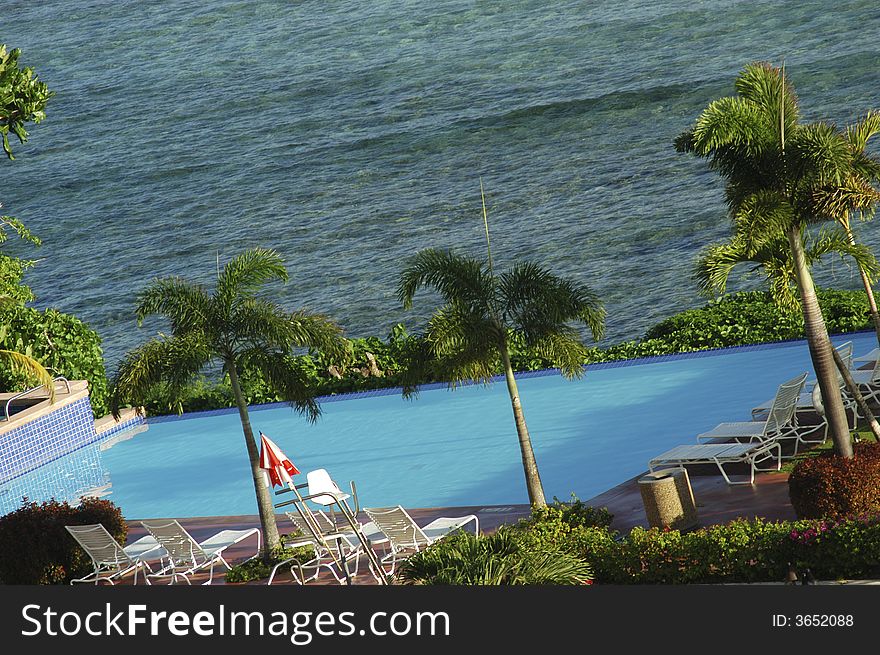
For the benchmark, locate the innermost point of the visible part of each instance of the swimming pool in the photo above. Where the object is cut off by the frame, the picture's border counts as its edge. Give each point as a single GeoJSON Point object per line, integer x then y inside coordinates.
{"type": "Point", "coordinates": [444, 448]}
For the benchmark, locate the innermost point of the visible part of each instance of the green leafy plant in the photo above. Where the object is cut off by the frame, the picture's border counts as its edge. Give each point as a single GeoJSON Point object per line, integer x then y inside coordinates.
{"type": "Point", "coordinates": [36, 549]}
{"type": "Point", "coordinates": [496, 559]}
{"type": "Point", "coordinates": [62, 343]}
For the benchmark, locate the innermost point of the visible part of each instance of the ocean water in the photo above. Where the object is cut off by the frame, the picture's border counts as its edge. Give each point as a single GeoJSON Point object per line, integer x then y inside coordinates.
{"type": "Point", "coordinates": [350, 135]}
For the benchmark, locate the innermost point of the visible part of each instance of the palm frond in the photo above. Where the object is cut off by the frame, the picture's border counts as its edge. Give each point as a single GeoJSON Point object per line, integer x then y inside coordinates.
{"type": "Point", "coordinates": [318, 332]}
{"type": "Point", "coordinates": [716, 263]}
{"type": "Point", "coordinates": [285, 378]}
{"type": "Point", "coordinates": [819, 154]}
{"type": "Point", "coordinates": [765, 86]}
{"type": "Point", "coordinates": [565, 350]}
{"type": "Point", "coordinates": [538, 303]}
{"type": "Point", "coordinates": [456, 278]}
{"type": "Point", "coordinates": [835, 241]}
{"type": "Point", "coordinates": [245, 273]}
{"type": "Point", "coordinates": [453, 328]}
{"type": "Point", "coordinates": [762, 217]}
{"type": "Point", "coordinates": [185, 304]}
{"type": "Point", "coordinates": [859, 133]}
{"type": "Point", "coordinates": [853, 195]}
{"type": "Point", "coordinates": [727, 122]}
{"type": "Point", "coordinates": [170, 360]}
{"type": "Point", "coordinates": [30, 368]}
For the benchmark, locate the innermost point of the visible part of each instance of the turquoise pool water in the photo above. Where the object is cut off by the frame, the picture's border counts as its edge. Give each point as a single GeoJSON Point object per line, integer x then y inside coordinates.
{"type": "Point", "coordinates": [445, 447]}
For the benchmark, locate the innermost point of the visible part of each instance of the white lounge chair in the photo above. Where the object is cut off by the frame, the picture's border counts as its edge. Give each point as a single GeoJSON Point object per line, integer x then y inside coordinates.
{"type": "Point", "coordinates": [186, 556]}
{"type": "Point", "coordinates": [404, 535]}
{"type": "Point", "coordinates": [721, 454]}
{"type": "Point", "coordinates": [110, 560]}
{"type": "Point", "coordinates": [781, 421]}
{"type": "Point", "coordinates": [805, 404]}
{"type": "Point", "coordinates": [868, 381]}
{"type": "Point", "coordinates": [869, 357]}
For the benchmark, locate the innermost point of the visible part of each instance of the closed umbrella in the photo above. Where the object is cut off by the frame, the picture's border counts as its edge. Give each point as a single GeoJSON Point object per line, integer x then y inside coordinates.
{"type": "Point", "coordinates": [277, 467]}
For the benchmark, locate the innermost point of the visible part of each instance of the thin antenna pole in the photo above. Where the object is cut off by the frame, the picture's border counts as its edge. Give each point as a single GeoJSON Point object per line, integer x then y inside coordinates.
{"type": "Point", "coordinates": [782, 108]}
{"type": "Point", "coordinates": [486, 224]}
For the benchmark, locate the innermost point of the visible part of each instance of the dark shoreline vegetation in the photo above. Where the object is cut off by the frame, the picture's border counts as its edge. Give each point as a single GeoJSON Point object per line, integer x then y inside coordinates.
{"type": "Point", "coordinates": [738, 319]}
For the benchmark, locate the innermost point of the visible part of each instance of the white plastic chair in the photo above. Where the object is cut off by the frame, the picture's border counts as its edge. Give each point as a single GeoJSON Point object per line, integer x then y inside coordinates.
{"type": "Point", "coordinates": [326, 493]}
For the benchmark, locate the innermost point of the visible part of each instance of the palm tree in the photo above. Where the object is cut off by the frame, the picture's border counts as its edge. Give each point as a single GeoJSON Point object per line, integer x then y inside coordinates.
{"type": "Point", "coordinates": [773, 258]}
{"type": "Point", "coordinates": [469, 335]}
{"type": "Point", "coordinates": [864, 171]}
{"type": "Point", "coordinates": [782, 176]}
{"type": "Point", "coordinates": [236, 328]}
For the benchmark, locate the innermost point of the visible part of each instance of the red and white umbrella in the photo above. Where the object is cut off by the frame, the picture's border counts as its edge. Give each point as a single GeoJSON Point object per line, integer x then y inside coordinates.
{"type": "Point", "coordinates": [276, 466]}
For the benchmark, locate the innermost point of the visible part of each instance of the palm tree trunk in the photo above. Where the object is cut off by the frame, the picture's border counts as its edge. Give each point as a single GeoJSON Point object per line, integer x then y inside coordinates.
{"type": "Point", "coordinates": [820, 349]}
{"type": "Point", "coordinates": [265, 506]}
{"type": "Point", "coordinates": [530, 466]}
{"type": "Point", "coordinates": [872, 303]}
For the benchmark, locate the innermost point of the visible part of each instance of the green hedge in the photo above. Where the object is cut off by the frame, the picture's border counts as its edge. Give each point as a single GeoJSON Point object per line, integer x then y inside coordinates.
{"type": "Point", "coordinates": [741, 551]}
{"type": "Point", "coordinates": [60, 342]}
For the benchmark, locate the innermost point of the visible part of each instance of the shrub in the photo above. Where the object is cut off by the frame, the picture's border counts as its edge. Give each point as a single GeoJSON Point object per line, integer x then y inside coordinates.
{"type": "Point", "coordinates": [574, 514]}
{"type": "Point", "coordinates": [752, 317]}
{"type": "Point", "coordinates": [497, 559]}
{"type": "Point", "coordinates": [828, 486]}
{"type": "Point", "coordinates": [741, 551]}
{"type": "Point", "coordinates": [60, 342]}
{"type": "Point", "coordinates": [36, 549]}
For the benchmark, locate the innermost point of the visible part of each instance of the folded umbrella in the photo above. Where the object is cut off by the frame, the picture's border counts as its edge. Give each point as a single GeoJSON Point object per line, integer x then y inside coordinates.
{"type": "Point", "coordinates": [276, 466]}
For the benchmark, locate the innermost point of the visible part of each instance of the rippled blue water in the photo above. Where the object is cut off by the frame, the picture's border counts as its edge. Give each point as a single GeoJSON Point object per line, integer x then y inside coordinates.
{"type": "Point", "coordinates": [349, 135]}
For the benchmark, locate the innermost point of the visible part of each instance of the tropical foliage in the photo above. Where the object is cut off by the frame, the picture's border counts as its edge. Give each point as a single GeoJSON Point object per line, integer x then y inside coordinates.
{"type": "Point", "coordinates": [63, 343]}
{"type": "Point", "coordinates": [497, 559]}
{"type": "Point", "coordinates": [23, 100]}
{"type": "Point", "coordinates": [235, 327]}
{"type": "Point", "coordinates": [737, 319]}
{"type": "Point", "coordinates": [828, 486]}
{"type": "Point", "coordinates": [468, 337]}
{"type": "Point", "coordinates": [783, 176]}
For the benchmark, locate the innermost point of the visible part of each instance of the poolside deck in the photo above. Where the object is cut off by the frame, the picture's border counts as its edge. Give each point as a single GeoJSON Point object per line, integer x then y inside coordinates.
{"type": "Point", "coordinates": [717, 502]}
